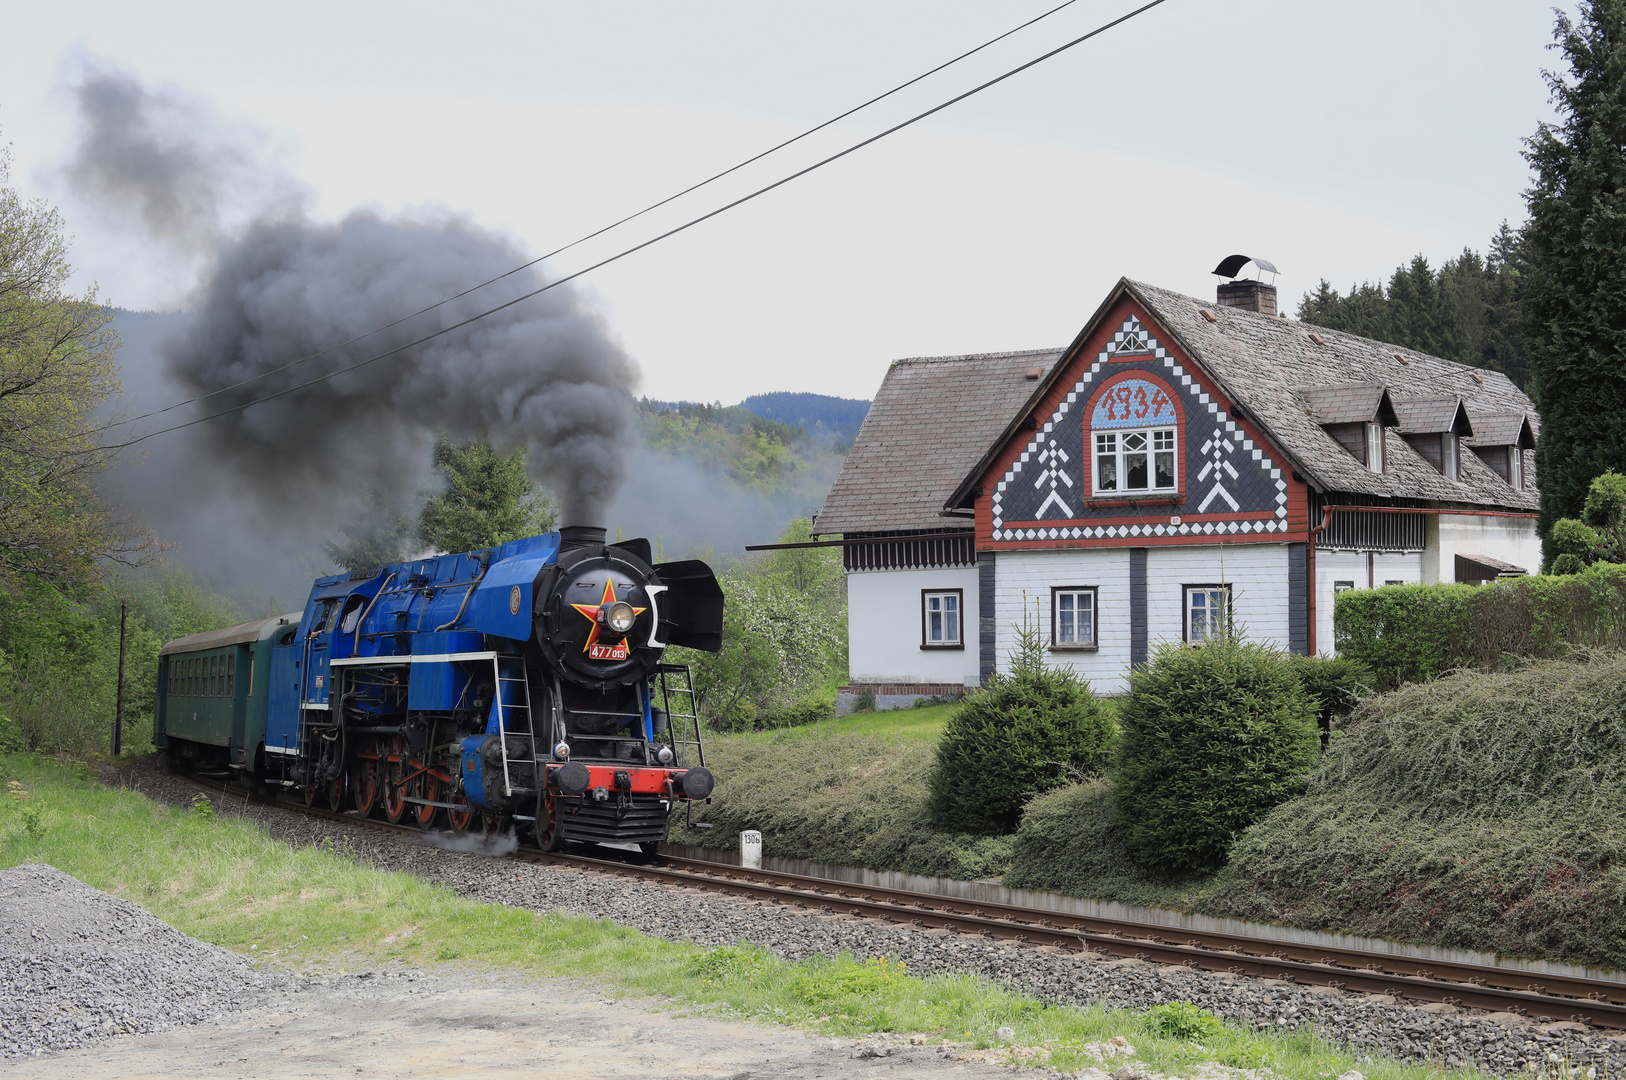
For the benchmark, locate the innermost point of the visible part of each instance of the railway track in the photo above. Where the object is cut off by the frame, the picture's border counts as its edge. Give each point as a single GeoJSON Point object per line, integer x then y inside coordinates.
{"type": "Point", "coordinates": [1542, 997]}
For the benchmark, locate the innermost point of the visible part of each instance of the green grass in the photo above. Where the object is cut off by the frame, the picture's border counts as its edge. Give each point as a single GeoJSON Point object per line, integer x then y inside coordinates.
{"type": "Point", "coordinates": [924, 724]}
{"type": "Point", "coordinates": [225, 881]}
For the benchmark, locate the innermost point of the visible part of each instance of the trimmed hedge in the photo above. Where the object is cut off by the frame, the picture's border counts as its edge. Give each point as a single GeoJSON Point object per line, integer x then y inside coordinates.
{"type": "Point", "coordinates": [1214, 735]}
{"type": "Point", "coordinates": [1410, 633]}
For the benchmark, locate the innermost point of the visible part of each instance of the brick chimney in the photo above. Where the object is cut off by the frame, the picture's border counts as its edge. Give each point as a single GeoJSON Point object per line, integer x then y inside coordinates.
{"type": "Point", "coordinates": [1248, 295]}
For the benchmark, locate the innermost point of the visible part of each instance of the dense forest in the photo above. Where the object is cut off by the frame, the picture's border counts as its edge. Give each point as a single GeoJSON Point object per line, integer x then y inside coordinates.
{"type": "Point", "coordinates": [1469, 310]}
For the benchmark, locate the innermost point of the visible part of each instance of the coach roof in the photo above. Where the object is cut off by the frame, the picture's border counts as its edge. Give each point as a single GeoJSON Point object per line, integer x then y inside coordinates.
{"type": "Point", "coordinates": [231, 635]}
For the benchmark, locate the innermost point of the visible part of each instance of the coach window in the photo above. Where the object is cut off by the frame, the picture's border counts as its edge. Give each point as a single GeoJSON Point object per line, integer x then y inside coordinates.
{"type": "Point", "coordinates": [231, 675]}
{"type": "Point", "coordinates": [940, 619]}
{"type": "Point", "coordinates": [1208, 610]}
{"type": "Point", "coordinates": [1073, 617]}
{"type": "Point", "coordinates": [250, 674]}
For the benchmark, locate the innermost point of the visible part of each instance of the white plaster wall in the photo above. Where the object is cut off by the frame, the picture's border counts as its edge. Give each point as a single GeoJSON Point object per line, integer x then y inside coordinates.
{"type": "Point", "coordinates": [1257, 574]}
{"type": "Point", "coordinates": [1332, 567]}
{"type": "Point", "coordinates": [1510, 539]}
{"type": "Point", "coordinates": [1028, 576]}
{"type": "Point", "coordinates": [883, 627]}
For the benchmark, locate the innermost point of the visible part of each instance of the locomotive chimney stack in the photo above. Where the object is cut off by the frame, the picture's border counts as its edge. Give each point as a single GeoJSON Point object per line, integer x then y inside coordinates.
{"type": "Point", "coordinates": [580, 536]}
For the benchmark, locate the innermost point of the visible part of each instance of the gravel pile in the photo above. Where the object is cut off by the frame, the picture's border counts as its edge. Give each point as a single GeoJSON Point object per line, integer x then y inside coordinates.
{"type": "Point", "coordinates": [1500, 1043]}
{"type": "Point", "coordinates": [78, 966]}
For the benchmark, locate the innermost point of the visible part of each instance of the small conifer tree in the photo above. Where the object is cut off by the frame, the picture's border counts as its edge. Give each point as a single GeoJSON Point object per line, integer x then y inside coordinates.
{"type": "Point", "coordinates": [1028, 732]}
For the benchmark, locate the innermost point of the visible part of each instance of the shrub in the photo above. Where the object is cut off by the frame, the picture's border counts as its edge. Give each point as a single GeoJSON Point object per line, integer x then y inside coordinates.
{"type": "Point", "coordinates": [1572, 546]}
{"type": "Point", "coordinates": [1214, 735]}
{"type": "Point", "coordinates": [819, 705]}
{"type": "Point", "coordinates": [1337, 685]}
{"type": "Point", "coordinates": [1028, 732]}
{"type": "Point", "coordinates": [1409, 633]}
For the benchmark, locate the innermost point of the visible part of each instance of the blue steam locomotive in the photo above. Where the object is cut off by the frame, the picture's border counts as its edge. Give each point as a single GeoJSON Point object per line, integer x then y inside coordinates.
{"type": "Point", "coordinates": [519, 684]}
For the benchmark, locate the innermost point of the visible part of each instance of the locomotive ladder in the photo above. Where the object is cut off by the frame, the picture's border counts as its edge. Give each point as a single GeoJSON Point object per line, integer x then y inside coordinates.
{"type": "Point", "coordinates": [510, 671]}
{"type": "Point", "coordinates": [676, 680]}
{"type": "Point", "coordinates": [678, 674]}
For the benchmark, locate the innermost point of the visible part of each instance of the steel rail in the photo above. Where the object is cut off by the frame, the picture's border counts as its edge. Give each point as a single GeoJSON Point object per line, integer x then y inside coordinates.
{"type": "Point", "coordinates": [1541, 996]}
{"type": "Point", "coordinates": [1538, 995]}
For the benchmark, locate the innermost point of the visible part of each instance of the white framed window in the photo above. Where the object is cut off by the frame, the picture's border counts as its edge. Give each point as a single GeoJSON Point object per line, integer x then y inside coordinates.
{"type": "Point", "coordinates": [1208, 610]}
{"type": "Point", "coordinates": [1128, 462]}
{"type": "Point", "coordinates": [1374, 447]}
{"type": "Point", "coordinates": [1448, 455]}
{"type": "Point", "coordinates": [1342, 586]}
{"type": "Point", "coordinates": [1386, 584]}
{"type": "Point", "coordinates": [1073, 617]}
{"type": "Point", "coordinates": [941, 620]}
{"type": "Point", "coordinates": [1515, 467]}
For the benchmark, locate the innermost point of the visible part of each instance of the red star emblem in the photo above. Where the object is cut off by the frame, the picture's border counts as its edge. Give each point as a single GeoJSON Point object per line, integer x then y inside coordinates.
{"type": "Point", "coordinates": [591, 611]}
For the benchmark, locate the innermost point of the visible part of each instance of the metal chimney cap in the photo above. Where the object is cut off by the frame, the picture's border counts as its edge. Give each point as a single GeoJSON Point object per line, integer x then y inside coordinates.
{"type": "Point", "coordinates": [1232, 265]}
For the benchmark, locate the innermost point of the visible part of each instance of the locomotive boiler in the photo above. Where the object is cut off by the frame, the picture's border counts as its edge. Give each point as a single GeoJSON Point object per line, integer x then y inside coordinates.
{"type": "Point", "coordinates": [522, 684]}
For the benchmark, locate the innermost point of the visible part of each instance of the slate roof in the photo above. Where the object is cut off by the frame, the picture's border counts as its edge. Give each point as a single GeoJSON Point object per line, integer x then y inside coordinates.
{"type": "Point", "coordinates": [1431, 416]}
{"type": "Point", "coordinates": [1266, 363]}
{"type": "Point", "coordinates": [1355, 403]}
{"type": "Point", "coordinates": [932, 419]}
{"type": "Point", "coordinates": [1501, 429]}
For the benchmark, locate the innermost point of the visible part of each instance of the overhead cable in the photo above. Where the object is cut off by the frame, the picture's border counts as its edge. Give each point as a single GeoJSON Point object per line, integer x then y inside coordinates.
{"type": "Point", "coordinates": [613, 225]}
{"type": "Point", "coordinates": [691, 223]}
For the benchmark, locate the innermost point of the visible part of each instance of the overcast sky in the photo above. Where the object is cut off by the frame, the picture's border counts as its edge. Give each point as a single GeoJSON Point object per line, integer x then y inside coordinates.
{"type": "Point", "coordinates": [1336, 140]}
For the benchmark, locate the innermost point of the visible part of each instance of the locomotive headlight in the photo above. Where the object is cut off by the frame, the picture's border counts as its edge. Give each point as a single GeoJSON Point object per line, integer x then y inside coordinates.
{"type": "Point", "coordinates": [617, 617]}
{"type": "Point", "coordinates": [562, 751]}
{"type": "Point", "coordinates": [664, 755]}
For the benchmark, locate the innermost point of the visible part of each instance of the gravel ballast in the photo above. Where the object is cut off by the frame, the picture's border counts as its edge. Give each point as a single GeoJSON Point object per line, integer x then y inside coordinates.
{"type": "Point", "coordinates": [78, 966]}
{"type": "Point", "coordinates": [1438, 1034]}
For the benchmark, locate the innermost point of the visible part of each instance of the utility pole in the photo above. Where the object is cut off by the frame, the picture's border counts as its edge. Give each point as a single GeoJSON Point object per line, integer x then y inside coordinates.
{"type": "Point", "coordinates": [118, 708]}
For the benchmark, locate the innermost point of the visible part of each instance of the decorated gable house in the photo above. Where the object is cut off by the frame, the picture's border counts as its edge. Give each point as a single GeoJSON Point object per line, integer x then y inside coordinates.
{"type": "Point", "coordinates": [1180, 463]}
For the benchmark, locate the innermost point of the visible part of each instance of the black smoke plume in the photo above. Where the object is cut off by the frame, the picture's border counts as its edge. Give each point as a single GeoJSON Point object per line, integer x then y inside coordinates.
{"type": "Point", "coordinates": [545, 374]}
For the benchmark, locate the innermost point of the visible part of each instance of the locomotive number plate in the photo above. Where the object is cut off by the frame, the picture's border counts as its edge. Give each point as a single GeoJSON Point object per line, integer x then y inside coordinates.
{"type": "Point", "coordinates": [608, 652]}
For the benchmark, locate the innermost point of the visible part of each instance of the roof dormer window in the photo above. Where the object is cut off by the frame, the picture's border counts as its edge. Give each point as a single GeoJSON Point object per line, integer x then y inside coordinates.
{"type": "Point", "coordinates": [1433, 428]}
{"type": "Point", "coordinates": [1355, 416]}
{"type": "Point", "coordinates": [1500, 440]}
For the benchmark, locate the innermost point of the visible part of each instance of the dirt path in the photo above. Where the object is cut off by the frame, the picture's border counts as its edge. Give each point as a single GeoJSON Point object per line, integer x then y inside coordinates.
{"type": "Point", "coordinates": [441, 1025]}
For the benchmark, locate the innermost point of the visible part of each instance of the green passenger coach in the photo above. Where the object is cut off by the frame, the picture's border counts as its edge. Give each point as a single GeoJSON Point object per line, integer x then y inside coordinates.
{"type": "Point", "coordinates": [211, 694]}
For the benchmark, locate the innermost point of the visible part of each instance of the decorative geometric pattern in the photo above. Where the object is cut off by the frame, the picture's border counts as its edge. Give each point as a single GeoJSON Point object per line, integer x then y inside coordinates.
{"type": "Point", "coordinates": [1234, 471]}
{"type": "Point", "coordinates": [1054, 459]}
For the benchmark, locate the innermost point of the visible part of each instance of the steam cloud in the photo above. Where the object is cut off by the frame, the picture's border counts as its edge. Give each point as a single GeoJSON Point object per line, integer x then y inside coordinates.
{"type": "Point", "coordinates": [545, 374]}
